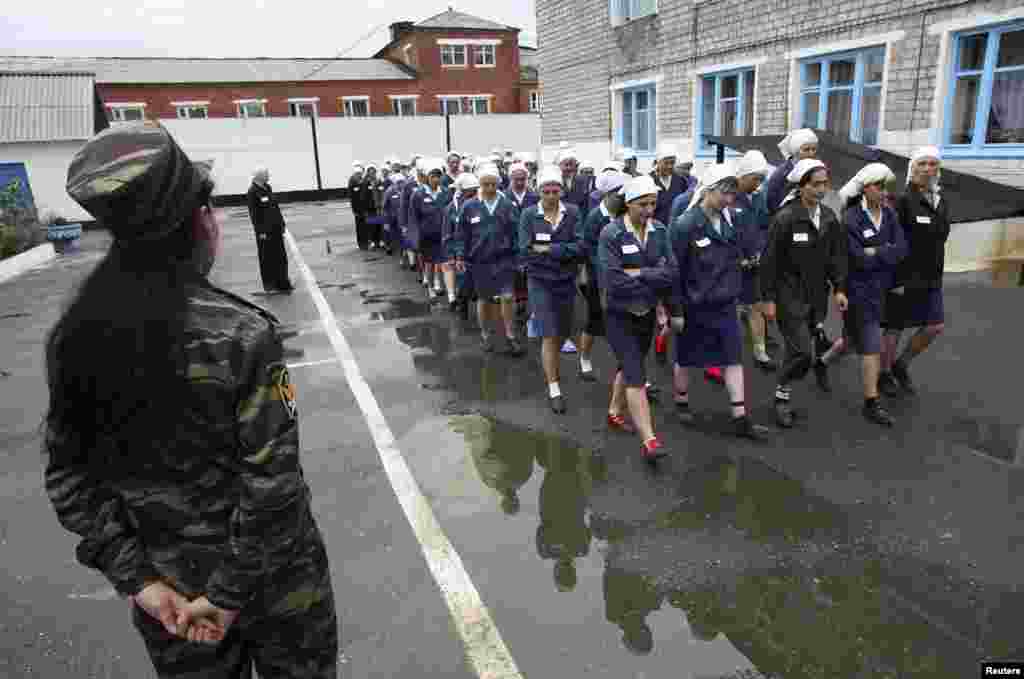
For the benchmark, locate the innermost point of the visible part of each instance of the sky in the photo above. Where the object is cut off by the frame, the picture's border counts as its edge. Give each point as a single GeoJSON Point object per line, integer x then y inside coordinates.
{"type": "Point", "coordinates": [228, 28]}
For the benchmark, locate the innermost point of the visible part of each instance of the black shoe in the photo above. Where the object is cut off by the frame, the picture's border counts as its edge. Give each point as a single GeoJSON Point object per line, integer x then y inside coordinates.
{"type": "Point", "coordinates": [899, 371]}
{"type": "Point", "coordinates": [877, 413]}
{"type": "Point", "coordinates": [557, 405]}
{"type": "Point", "coordinates": [784, 414]}
{"type": "Point", "coordinates": [515, 348]}
{"type": "Point", "coordinates": [746, 429]}
{"type": "Point", "coordinates": [464, 311]}
{"type": "Point", "coordinates": [588, 376]}
{"type": "Point", "coordinates": [485, 344]}
{"type": "Point", "coordinates": [453, 306]}
{"type": "Point", "coordinates": [887, 385]}
{"type": "Point", "coordinates": [821, 375]}
{"type": "Point", "coordinates": [684, 414]}
{"type": "Point", "coordinates": [766, 366]}
{"type": "Point", "coordinates": [653, 392]}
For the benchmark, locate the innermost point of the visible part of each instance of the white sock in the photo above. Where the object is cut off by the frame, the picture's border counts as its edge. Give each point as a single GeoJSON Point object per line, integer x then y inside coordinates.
{"type": "Point", "coordinates": [761, 353]}
{"type": "Point", "coordinates": [554, 390]}
{"type": "Point", "coordinates": [451, 295]}
{"type": "Point", "coordinates": [585, 365]}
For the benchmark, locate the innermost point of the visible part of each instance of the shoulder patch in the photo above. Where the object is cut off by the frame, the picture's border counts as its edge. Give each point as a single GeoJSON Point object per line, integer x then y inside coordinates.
{"type": "Point", "coordinates": [283, 390]}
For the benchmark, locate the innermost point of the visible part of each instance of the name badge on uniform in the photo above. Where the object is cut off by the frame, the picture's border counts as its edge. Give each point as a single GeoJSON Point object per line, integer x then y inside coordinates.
{"type": "Point", "coordinates": [630, 249]}
{"type": "Point", "coordinates": [703, 242]}
{"type": "Point", "coordinates": [265, 199]}
{"type": "Point", "coordinates": [924, 220]}
{"type": "Point", "coordinates": [355, 188]}
{"type": "Point", "coordinates": [474, 220]}
{"type": "Point", "coordinates": [428, 200]}
{"type": "Point", "coordinates": [800, 238]}
{"type": "Point", "coordinates": [543, 237]}
{"type": "Point", "coordinates": [868, 233]}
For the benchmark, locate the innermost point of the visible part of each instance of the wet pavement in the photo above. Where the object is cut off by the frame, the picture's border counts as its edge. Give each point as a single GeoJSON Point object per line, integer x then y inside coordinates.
{"type": "Point", "coordinates": [833, 550]}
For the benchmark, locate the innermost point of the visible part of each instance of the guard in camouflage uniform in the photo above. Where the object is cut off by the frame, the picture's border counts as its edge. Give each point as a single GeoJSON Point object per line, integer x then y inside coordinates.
{"type": "Point", "coordinates": [177, 462]}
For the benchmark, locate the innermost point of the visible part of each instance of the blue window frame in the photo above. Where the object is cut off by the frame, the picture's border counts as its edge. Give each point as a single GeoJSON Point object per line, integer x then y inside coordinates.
{"type": "Point", "coordinates": [842, 93]}
{"type": "Point", "coordinates": [637, 126]}
{"type": "Point", "coordinates": [621, 11]}
{"type": "Point", "coordinates": [725, 107]}
{"type": "Point", "coordinates": [984, 108]}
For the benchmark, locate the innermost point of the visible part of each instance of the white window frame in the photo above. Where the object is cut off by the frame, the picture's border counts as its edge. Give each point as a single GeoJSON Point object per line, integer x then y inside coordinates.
{"type": "Point", "coordinates": [623, 11]}
{"type": "Point", "coordinates": [295, 106]}
{"type": "Point", "coordinates": [348, 110]}
{"type": "Point", "coordinates": [743, 72]}
{"type": "Point", "coordinates": [857, 88]}
{"type": "Point", "coordinates": [472, 100]}
{"type": "Point", "coordinates": [183, 109]}
{"type": "Point", "coordinates": [116, 111]}
{"type": "Point", "coordinates": [241, 111]}
{"type": "Point", "coordinates": [451, 49]}
{"type": "Point", "coordinates": [535, 101]}
{"type": "Point", "coordinates": [483, 50]}
{"type": "Point", "coordinates": [398, 99]}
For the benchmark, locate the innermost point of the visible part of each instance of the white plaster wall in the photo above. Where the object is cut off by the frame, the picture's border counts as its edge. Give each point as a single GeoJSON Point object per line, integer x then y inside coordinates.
{"type": "Point", "coordinates": [237, 146]}
{"type": "Point", "coordinates": [47, 166]}
{"type": "Point", "coordinates": [480, 134]}
{"type": "Point", "coordinates": [372, 140]}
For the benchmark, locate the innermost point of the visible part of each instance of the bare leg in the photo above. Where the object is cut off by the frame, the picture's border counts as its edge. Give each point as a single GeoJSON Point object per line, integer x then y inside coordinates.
{"type": "Point", "coordinates": [734, 384]}
{"type": "Point", "coordinates": [640, 410]}
{"type": "Point", "coordinates": [890, 342]}
{"type": "Point", "coordinates": [449, 281]}
{"type": "Point", "coordinates": [680, 383]}
{"type": "Point", "coordinates": [585, 345]}
{"type": "Point", "coordinates": [870, 368]}
{"type": "Point", "coordinates": [618, 402]}
{"type": "Point", "coordinates": [550, 357]}
{"type": "Point", "coordinates": [758, 328]}
{"type": "Point", "coordinates": [837, 349]}
{"type": "Point", "coordinates": [483, 311]}
{"type": "Point", "coordinates": [921, 340]}
{"type": "Point", "coordinates": [508, 314]}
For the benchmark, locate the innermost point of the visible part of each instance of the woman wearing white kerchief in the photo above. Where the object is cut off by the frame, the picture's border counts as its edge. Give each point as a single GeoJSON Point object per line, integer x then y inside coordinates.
{"type": "Point", "coordinates": [916, 300]}
{"type": "Point", "coordinates": [464, 189]}
{"type": "Point", "coordinates": [708, 251]}
{"type": "Point", "coordinates": [549, 246]}
{"type": "Point", "coordinates": [796, 146]}
{"type": "Point", "coordinates": [806, 252]}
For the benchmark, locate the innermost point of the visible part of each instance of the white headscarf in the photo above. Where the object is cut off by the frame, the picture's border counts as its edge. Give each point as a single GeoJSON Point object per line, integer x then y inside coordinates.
{"type": "Point", "coordinates": [550, 175]}
{"type": "Point", "coordinates": [613, 166]}
{"type": "Point", "coordinates": [260, 175]}
{"type": "Point", "coordinates": [709, 180]}
{"type": "Point", "coordinates": [869, 174]}
{"type": "Point", "coordinates": [752, 162]}
{"type": "Point", "coordinates": [926, 152]}
{"type": "Point", "coordinates": [520, 166]}
{"type": "Point", "coordinates": [565, 154]}
{"type": "Point", "coordinates": [798, 172]}
{"type": "Point", "coordinates": [584, 164]}
{"type": "Point", "coordinates": [790, 145]}
{"type": "Point", "coordinates": [488, 170]}
{"type": "Point", "coordinates": [429, 165]}
{"type": "Point", "coordinates": [640, 186]}
{"type": "Point", "coordinates": [666, 150]}
{"type": "Point", "coordinates": [467, 181]}
{"type": "Point", "coordinates": [610, 181]}
{"type": "Point", "coordinates": [627, 153]}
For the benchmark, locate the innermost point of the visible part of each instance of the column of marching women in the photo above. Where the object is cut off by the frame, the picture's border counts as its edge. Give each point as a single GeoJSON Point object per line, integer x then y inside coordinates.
{"type": "Point", "coordinates": [662, 258]}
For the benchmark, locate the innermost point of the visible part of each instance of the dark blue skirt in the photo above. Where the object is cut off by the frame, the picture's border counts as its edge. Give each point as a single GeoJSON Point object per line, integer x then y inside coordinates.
{"type": "Point", "coordinates": [551, 305]}
{"type": "Point", "coordinates": [751, 293]}
{"type": "Point", "coordinates": [432, 251]}
{"type": "Point", "coordinates": [630, 337]}
{"type": "Point", "coordinates": [862, 329]}
{"type": "Point", "coordinates": [915, 308]}
{"type": "Point", "coordinates": [495, 278]}
{"type": "Point", "coordinates": [711, 337]}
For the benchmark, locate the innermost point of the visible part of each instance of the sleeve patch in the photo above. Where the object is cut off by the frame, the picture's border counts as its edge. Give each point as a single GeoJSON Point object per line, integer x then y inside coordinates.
{"type": "Point", "coordinates": [284, 390]}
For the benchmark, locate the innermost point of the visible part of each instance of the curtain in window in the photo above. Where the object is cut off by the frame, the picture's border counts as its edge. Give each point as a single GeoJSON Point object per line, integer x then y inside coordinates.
{"type": "Point", "coordinates": [1006, 117]}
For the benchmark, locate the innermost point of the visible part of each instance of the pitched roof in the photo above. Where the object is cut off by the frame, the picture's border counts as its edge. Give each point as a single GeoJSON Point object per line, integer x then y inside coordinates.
{"type": "Point", "coordinates": [137, 70]}
{"type": "Point", "coordinates": [55, 106]}
{"type": "Point", "coordinates": [453, 19]}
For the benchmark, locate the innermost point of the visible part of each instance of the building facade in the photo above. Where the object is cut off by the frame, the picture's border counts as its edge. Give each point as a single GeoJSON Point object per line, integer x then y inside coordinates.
{"type": "Point", "coordinates": [634, 73]}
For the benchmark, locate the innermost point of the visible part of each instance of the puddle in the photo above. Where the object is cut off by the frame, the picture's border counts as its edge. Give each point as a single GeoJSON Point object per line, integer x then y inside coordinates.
{"type": "Point", "coordinates": [1001, 440]}
{"type": "Point", "coordinates": [398, 308]}
{"type": "Point", "coordinates": [738, 554]}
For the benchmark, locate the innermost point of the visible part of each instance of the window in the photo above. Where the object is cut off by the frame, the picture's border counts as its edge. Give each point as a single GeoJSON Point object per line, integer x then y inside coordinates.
{"type": "Point", "coordinates": [637, 128]}
{"type": "Point", "coordinates": [252, 108]}
{"type": "Point", "coordinates": [621, 11]}
{"type": "Point", "coordinates": [453, 55]}
{"type": "Point", "coordinates": [123, 113]}
{"type": "Point", "coordinates": [403, 106]}
{"type": "Point", "coordinates": [534, 101]}
{"type": "Point", "coordinates": [842, 93]}
{"type": "Point", "coordinates": [725, 106]}
{"type": "Point", "coordinates": [484, 55]}
{"type": "Point", "coordinates": [355, 107]}
{"type": "Point", "coordinates": [481, 105]}
{"type": "Point", "coordinates": [451, 106]}
{"type": "Point", "coordinates": [985, 102]}
{"type": "Point", "coordinates": [476, 105]}
{"type": "Point", "coordinates": [302, 108]}
{"type": "Point", "coordinates": [192, 109]}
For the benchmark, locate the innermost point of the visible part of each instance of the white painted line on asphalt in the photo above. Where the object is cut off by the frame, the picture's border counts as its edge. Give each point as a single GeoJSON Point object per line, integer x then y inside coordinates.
{"type": "Point", "coordinates": [485, 648]}
{"type": "Point", "coordinates": [308, 364]}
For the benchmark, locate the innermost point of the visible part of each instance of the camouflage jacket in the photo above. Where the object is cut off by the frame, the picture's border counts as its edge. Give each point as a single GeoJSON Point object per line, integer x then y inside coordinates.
{"type": "Point", "coordinates": [224, 506]}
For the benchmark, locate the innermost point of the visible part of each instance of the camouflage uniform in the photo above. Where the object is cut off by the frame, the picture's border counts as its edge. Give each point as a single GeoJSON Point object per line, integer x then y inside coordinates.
{"type": "Point", "coordinates": [223, 510]}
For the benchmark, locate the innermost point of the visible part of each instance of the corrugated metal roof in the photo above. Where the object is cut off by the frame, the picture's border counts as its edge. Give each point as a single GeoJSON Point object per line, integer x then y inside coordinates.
{"type": "Point", "coordinates": [453, 19]}
{"type": "Point", "coordinates": [132, 70]}
{"type": "Point", "coordinates": [46, 106]}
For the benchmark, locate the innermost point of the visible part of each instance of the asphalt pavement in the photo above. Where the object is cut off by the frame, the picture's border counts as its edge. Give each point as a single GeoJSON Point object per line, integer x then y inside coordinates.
{"type": "Point", "coordinates": [836, 549]}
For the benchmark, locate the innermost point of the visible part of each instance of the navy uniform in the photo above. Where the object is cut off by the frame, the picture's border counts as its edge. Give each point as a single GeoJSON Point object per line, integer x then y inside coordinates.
{"type": "Point", "coordinates": [392, 203]}
{"type": "Point", "coordinates": [361, 203]}
{"type": "Point", "coordinates": [488, 243]}
{"type": "Point", "coordinates": [268, 223]}
{"type": "Point", "coordinates": [410, 185]}
{"type": "Point", "coordinates": [675, 187]}
{"type": "Point", "coordinates": [598, 218]}
{"type": "Point", "coordinates": [751, 219]}
{"type": "Point", "coordinates": [775, 188]}
{"type": "Point", "coordinates": [528, 199]}
{"type": "Point", "coordinates": [213, 501]}
{"type": "Point", "coordinates": [426, 216]}
{"type": "Point", "coordinates": [576, 192]}
{"type": "Point", "coordinates": [551, 277]}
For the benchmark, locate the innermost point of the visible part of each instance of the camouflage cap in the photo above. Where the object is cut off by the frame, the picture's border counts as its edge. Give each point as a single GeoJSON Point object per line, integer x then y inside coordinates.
{"type": "Point", "coordinates": [136, 181]}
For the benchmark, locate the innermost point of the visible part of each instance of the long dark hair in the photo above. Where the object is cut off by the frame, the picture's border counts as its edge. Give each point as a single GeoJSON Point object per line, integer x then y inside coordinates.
{"type": "Point", "coordinates": [115, 358]}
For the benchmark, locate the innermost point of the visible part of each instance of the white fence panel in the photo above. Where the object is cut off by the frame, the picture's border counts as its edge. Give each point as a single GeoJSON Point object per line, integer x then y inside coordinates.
{"type": "Point", "coordinates": [480, 134]}
{"type": "Point", "coordinates": [343, 141]}
{"type": "Point", "coordinates": [237, 146]}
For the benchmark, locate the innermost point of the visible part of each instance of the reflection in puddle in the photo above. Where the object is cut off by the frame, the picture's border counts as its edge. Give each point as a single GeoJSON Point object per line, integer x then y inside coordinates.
{"type": "Point", "coordinates": [398, 308]}
{"type": "Point", "coordinates": [993, 437]}
{"type": "Point", "coordinates": [799, 586]}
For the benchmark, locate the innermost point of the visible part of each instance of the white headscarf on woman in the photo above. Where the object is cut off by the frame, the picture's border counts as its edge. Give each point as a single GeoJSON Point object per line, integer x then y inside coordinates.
{"type": "Point", "coordinates": [790, 145]}
{"type": "Point", "coordinates": [488, 170]}
{"type": "Point", "coordinates": [550, 175]}
{"type": "Point", "coordinates": [798, 172]}
{"type": "Point", "coordinates": [871, 173]}
{"type": "Point", "coordinates": [641, 186]}
{"type": "Point", "coordinates": [752, 162]}
{"type": "Point", "coordinates": [713, 175]}
{"type": "Point", "coordinates": [260, 175]}
{"type": "Point", "coordinates": [919, 154]}
{"type": "Point", "coordinates": [610, 181]}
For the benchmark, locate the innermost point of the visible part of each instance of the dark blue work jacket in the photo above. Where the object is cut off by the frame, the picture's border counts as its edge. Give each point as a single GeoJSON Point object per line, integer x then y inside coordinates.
{"type": "Point", "coordinates": [578, 193]}
{"type": "Point", "coordinates": [405, 203]}
{"type": "Point", "coordinates": [426, 216]}
{"type": "Point", "coordinates": [530, 198]}
{"type": "Point", "coordinates": [709, 262]}
{"type": "Point", "coordinates": [592, 227]}
{"type": "Point", "coordinates": [484, 238]}
{"type": "Point", "coordinates": [775, 191]}
{"type": "Point", "coordinates": [751, 219]}
{"type": "Point", "coordinates": [677, 186]}
{"type": "Point", "coordinates": [558, 265]}
{"type": "Point", "coordinates": [870, 276]}
{"type": "Point", "coordinates": [619, 249]}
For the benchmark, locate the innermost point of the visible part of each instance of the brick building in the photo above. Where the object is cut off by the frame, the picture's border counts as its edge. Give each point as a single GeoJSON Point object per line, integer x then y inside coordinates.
{"type": "Point", "coordinates": [891, 74]}
{"type": "Point", "coordinates": [451, 62]}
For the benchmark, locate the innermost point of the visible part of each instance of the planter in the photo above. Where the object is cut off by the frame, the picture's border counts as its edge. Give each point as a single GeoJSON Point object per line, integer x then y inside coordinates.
{"type": "Point", "coordinates": [56, 232]}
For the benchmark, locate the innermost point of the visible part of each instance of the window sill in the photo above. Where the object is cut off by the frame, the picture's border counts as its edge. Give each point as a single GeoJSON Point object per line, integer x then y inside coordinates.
{"type": "Point", "coordinates": [455, 66]}
{"type": "Point", "coordinates": [622, 23]}
{"type": "Point", "coordinates": [712, 153]}
{"type": "Point", "coordinates": [485, 66]}
{"type": "Point", "coordinates": [1008, 152]}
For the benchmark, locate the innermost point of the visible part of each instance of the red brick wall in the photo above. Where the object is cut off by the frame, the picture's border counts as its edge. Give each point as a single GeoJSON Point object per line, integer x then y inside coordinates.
{"type": "Point", "coordinates": [502, 81]}
{"type": "Point", "coordinates": [525, 88]}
